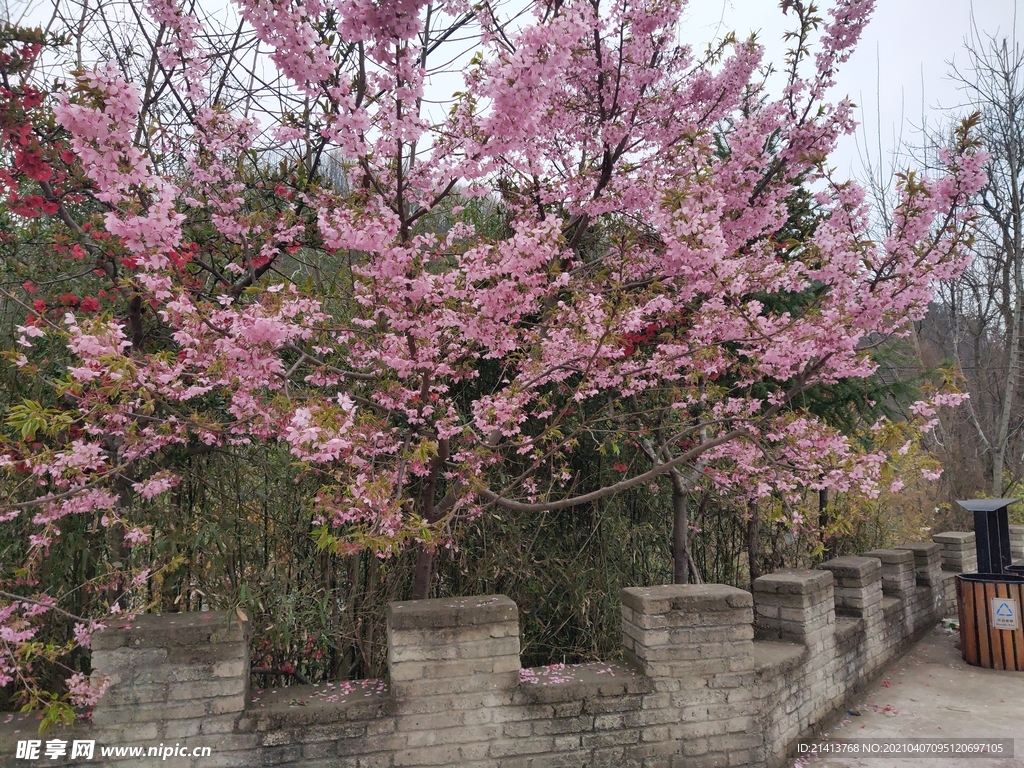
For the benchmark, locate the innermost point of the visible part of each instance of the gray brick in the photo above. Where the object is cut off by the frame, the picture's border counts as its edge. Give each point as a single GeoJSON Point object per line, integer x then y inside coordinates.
{"type": "Point", "coordinates": [714, 696]}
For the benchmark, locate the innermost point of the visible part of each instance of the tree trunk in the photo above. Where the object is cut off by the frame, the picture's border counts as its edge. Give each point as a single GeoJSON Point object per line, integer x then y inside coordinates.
{"type": "Point", "coordinates": [1005, 416]}
{"type": "Point", "coordinates": [680, 532]}
{"type": "Point", "coordinates": [998, 462]}
{"type": "Point", "coordinates": [118, 550]}
{"type": "Point", "coordinates": [1014, 249]}
{"type": "Point", "coordinates": [432, 512]}
{"type": "Point", "coordinates": [422, 575]}
{"type": "Point", "coordinates": [823, 519]}
{"type": "Point", "coordinates": [754, 541]}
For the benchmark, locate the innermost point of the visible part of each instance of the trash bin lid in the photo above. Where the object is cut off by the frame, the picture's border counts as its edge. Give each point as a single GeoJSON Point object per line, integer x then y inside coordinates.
{"type": "Point", "coordinates": [986, 505]}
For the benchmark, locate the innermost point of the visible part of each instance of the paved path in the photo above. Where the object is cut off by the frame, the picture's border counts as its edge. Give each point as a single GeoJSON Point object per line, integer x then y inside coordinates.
{"type": "Point", "coordinates": [931, 693]}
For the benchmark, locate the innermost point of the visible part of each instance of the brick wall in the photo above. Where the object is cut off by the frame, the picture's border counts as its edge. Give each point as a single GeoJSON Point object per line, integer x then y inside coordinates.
{"type": "Point", "coordinates": [712, 676]}
{"type": "Point", "coordinates": [959, 554]}
{"type": "Point", "coordinates": [1017, 544]}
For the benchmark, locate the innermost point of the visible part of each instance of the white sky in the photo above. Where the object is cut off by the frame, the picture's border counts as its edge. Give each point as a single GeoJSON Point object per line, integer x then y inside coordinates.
{"type": "Point", "coordinates": [899, 72]}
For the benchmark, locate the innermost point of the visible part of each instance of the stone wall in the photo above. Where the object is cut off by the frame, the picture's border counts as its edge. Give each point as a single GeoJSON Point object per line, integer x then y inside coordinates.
{"type": "Point", "coordinates": [1017, 544]}
{"type": "Point", "coordinates": [172, 677]}
{"type": "Point", "coordinates": [959, 555]}
{"type": "Point", "coordinates": [711, 676]}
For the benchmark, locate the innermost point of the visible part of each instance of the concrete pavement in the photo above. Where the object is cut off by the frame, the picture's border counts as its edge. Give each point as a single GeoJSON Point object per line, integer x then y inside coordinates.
{"type": "Point", "coordinates": [930, 693]}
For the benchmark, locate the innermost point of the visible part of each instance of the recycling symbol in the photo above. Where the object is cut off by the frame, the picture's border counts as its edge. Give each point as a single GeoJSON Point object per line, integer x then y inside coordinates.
{"type": "Point", "coordinates": [1004, 613]}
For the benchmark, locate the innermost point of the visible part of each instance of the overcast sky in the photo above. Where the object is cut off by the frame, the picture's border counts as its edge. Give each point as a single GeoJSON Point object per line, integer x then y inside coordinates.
{"type": "Point", "coordinates": [899, 74]}
{"type": "Point", "coordinates": [900, 69]}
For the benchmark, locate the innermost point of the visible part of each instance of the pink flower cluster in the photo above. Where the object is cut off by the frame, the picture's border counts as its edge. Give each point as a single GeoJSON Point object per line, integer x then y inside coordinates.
{"type": "Point", "coordinates": [601, 217]}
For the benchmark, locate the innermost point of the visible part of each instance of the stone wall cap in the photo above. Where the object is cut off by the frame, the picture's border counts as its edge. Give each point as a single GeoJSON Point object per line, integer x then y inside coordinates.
{"type": "Point", "coordinates": [156, 630]}
{"type": "Point", "coordinates": [891, 556]}
{"type": "Point", "coordinates": [852, 567]}
{"type": "Point", "coordinates": [955, 537]}
{"type": "Point", "coordinates": [451, 612]}
{"type": "Point", "coordinates": [794, 581]}
{"type": "Point", "coordinates": [922, 547]}
{"type": "Point", "coordinates": [685, 597]}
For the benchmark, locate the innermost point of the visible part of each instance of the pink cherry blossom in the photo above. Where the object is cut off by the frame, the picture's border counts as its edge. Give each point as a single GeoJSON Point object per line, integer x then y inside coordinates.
{"type": "Point", "coordinates": [594, 230]}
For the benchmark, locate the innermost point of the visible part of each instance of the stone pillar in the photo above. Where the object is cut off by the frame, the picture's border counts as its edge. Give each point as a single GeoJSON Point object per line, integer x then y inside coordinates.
{"type": "Point", "coordinates": [696, 643]}
{"type": "Point", "coordinates": [1017, 544]}
{"type": "Point", "coordinates": [687, 629]}
{"type": "Point", "coordinates": [928, 604]}
{"type": "Point", "coordinates": [797, 606]}
{"type": "Point", "coordinates": [898, 578]}
{"type": "Point", "coordinates": [858, 593]}
{"type": "Point", "coordinates": [857, 586]}
{"type": "Point", "coordinates": [959, 555]}
{"type": "Point", "coordinates": [959, 552]}
{"type": "Point", "coordinates": [927, 562]}
{"type": "Point", "coordinates": [173, 676]}
{"type": "Point", "coordinates": [449, 646]}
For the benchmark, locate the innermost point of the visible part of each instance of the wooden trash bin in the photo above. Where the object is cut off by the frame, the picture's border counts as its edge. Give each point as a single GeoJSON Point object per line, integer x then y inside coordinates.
{"type": "Point", "coordinates": [991, 629]}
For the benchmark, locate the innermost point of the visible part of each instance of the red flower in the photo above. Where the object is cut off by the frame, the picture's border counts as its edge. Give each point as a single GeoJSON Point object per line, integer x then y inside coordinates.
{"type": "Point", "coordinates": [89, 304]}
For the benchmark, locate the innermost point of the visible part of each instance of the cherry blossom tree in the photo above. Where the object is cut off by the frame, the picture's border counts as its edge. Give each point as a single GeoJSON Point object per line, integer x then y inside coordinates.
{"type": "Point", "coordinates": [641, 267]}
{"type": "Point", "coordinates": [980, 326]}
